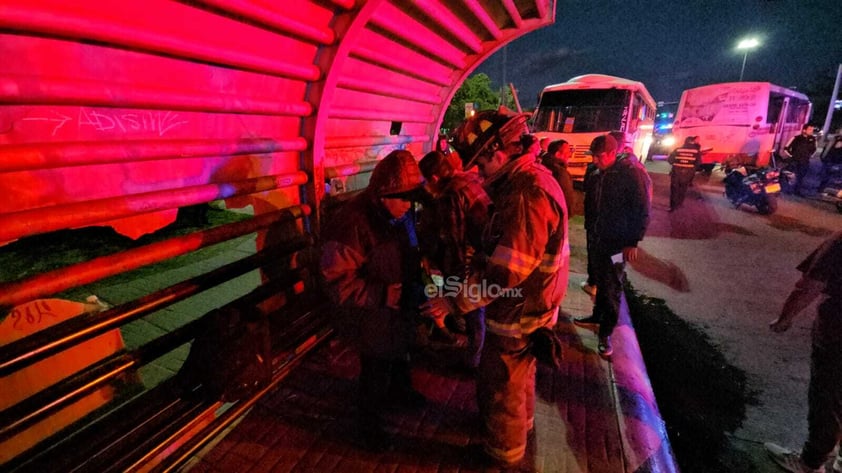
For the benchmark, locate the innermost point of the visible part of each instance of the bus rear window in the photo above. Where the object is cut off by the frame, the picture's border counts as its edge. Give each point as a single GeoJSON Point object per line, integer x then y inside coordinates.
{"type": "Point", "coordinates": [582, 110]}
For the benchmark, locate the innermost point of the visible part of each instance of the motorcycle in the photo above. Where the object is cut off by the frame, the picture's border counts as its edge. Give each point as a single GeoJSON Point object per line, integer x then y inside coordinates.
{"type": "Point", "coordinates": [759, 188]}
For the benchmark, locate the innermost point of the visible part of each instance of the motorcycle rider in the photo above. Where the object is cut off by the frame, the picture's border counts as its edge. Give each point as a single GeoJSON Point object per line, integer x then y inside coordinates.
{"type": "Point", "coordinates": [685, 161]}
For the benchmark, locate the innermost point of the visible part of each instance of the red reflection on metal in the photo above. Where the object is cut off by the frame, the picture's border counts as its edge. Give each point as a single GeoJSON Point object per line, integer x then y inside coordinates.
{"type": "Point", "coordinates": [49, 155]}
{"type": "Point", "coordinates": [16, 225]}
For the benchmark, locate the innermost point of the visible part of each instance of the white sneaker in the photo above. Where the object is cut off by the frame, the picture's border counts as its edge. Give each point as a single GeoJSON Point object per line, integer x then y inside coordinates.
{"type": "Point", "coordinates": [789, 460]}
{"type": "Point", "coordinates": [837, 464]}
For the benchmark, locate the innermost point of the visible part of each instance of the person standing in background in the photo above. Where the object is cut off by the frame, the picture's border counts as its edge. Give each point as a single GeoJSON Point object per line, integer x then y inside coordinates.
{"type": "Point", "coordinates": [685, 161]}
{"type": "Point", "coordinates": [801, 148]}
{"type": "Point", "coordinates": [556, 158]}
{"type": "Point", "coordinates": [616, 217]}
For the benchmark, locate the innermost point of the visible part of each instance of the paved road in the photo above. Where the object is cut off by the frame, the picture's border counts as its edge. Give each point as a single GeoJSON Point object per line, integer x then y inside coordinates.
{"type": "Point", "coordinates": [728, 271]}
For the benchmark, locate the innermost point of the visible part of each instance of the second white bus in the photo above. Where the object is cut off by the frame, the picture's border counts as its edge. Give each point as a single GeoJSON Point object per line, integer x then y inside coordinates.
{"type": "Point", "coordinates": [741, 122]}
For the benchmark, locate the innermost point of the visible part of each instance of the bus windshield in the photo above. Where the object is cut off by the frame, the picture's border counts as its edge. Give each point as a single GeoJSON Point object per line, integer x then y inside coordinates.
{"type": "Point", "coordinates": [582, 110]}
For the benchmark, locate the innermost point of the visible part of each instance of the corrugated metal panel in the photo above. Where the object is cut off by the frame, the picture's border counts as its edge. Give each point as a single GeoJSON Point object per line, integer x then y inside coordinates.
{"type": "Point", "coordinates": [120, 113]}
{"type": "Point", "coordinates": [423, 48]}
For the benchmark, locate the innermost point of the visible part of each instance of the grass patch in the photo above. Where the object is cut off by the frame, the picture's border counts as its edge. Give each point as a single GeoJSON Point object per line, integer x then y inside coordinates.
{"type": "Point", "coordinates": [39, 254]}
{"type": "Point", "coordinates": [700, 395]}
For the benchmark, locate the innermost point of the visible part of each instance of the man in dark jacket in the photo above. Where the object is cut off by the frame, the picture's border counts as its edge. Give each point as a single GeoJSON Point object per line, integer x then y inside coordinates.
{"type": "Point", "coordinates": [616, 216]}
{"type": "Point", "coordinates": [685, 162]}
{"type": "Point", "coordinates": [520, 276]}
{"type": "Point", "coordinates": [371, 271]}
{"type": "Point", "coordinates": [801, 149]}
{"type": "Point", "coordinates": [556, 158]}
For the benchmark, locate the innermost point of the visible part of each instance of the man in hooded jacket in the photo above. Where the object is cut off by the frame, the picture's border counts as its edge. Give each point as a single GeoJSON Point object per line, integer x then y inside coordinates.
{"type": "Point", "coordinates": [370, 266]}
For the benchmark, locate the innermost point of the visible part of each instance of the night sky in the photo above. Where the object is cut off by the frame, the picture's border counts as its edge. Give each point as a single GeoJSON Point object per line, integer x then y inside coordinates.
{"type": "Point", "coordinates": [675, 45]}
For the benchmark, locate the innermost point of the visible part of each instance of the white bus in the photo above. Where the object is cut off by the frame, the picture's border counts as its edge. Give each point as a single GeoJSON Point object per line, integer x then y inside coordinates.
{"type": "Point", "coordinates": [741, 122]}
{"type": "Point", "coordinates": [587, 106]}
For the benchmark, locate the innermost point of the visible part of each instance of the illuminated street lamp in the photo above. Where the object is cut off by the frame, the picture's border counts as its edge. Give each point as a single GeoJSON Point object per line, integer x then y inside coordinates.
{"type": "Point", "coordinates": [746, 44]}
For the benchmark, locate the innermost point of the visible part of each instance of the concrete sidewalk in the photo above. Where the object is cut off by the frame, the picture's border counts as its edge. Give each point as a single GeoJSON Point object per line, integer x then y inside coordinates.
{"type": "Point", "coordinates": [591, 416]}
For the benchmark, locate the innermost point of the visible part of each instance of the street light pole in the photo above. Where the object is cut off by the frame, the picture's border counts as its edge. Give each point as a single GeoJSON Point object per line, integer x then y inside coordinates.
{"type": "Point", "coordinates": [746, 44]}
{"type": "Point", "coordinates": [830, 106]}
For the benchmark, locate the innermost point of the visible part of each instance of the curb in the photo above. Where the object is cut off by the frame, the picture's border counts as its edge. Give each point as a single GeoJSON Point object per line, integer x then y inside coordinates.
{"type": "Point", "coordinates": [646, 445]}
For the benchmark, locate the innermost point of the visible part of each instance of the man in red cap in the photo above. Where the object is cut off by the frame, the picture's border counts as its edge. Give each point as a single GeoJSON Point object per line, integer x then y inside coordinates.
{"type": "Point", "coordinates": [371, 272]}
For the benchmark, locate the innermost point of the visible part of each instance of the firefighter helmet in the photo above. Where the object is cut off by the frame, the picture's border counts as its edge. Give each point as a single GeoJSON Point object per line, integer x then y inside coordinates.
{"type": "Point", "coordinates": [486, 132]}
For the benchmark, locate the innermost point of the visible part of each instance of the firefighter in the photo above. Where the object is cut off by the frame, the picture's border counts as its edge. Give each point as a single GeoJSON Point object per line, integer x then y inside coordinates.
{"type": "Point", "coordinates": [519, 276]}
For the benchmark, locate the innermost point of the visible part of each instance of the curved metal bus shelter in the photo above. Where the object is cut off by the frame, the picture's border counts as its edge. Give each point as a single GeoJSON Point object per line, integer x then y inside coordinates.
{"type": "Point", "coordinates": [118, 114]}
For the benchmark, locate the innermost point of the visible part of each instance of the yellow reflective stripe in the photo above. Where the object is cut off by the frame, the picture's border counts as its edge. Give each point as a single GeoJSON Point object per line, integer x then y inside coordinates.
{"type": "Point", "coordinates": [518, 262]}
{"type": "Point", "coordinates": [513, 330]}
{"type": "Point", "coordinates": [531, 324]}
{"type": "Point", "coordinates": [550, 263]}
{"type": "Point", "coordinates": [524, 325]}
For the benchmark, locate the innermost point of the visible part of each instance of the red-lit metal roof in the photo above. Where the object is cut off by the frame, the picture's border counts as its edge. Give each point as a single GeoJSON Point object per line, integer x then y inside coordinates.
{"type": "Point", "coordinates": [156, 99]}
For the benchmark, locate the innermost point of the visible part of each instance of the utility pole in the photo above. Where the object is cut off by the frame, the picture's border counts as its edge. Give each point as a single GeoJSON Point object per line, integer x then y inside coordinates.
{"type": "Point", "coordinates": [514, 96]}
{"type": "Point", "coordinates": [833, 98]}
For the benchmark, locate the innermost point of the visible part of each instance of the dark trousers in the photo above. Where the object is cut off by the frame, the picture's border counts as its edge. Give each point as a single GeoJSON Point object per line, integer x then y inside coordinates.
{"type": "Point", "coordinates": [802, 168]}
{"type": "Point", "coordinates": [381, 380]}
{"type": "Point", "coordinates": [679, 182]}
{"type": "Point", "coordinates": [824, 416]}
{"type": "Point", "coordinates": [591, 255]}
{"type": "Point", "coordinates": [475, 329]}
{"type": "Point", "coordinates": [608, 277]}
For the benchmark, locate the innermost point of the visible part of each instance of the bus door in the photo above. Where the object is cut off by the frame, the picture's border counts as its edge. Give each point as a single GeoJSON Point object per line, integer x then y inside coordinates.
{"type": "Point", "coordinates": [780, 127]}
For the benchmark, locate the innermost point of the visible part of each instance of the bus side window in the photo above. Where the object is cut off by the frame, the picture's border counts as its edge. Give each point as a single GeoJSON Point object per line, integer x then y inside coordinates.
{"type": "Point", "coordinates": [638, 110]}
{"type": "Point", "coordinates": [776, 103]}
{"type": "Point", "coordinates": [797, 112]}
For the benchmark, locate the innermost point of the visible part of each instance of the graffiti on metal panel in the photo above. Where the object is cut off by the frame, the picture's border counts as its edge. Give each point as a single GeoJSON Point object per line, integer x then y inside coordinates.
{"type": "Point", "coordinates": [125, 122]}
{"type": "Point", "coordinates": [31, 314]}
